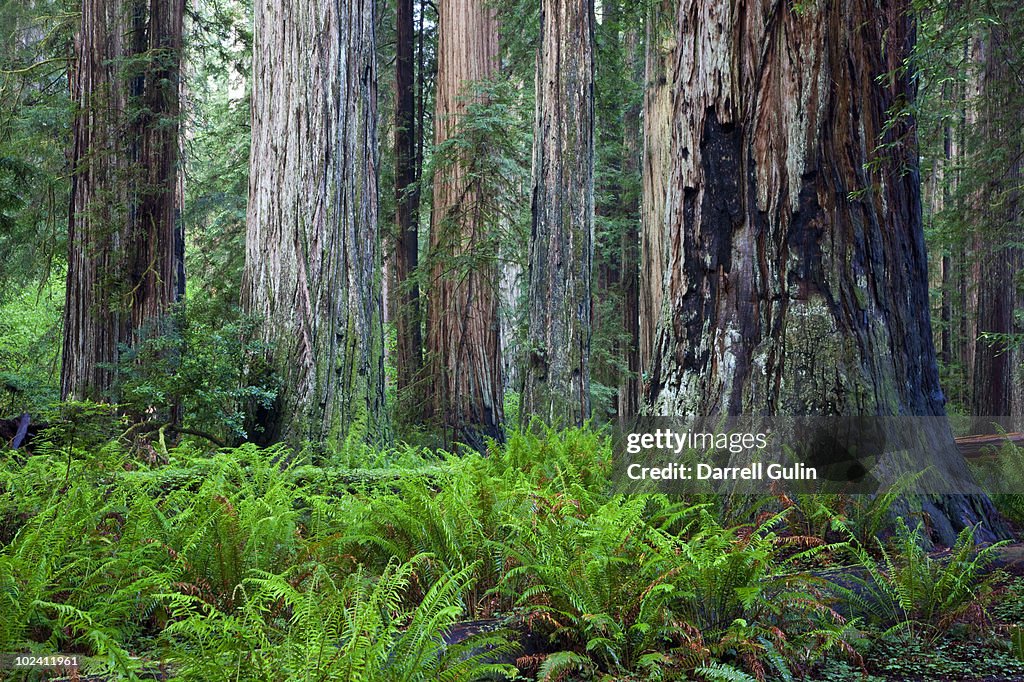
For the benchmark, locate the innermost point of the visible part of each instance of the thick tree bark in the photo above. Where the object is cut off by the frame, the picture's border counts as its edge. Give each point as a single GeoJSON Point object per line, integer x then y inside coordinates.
{"type": "Point", "coordinates": [125, 264]}
{"type": "Point", "coordinates": [557, 376]}
{"type": "Point", "coordinates": [312, 268]}
{"type": "Point", "coordinates": [509, 315]}
{"type": "Point", "coordinates": [463, 345]}
{"type": "Point", "coordinates": [659, 65]}
{"type": "Point", "coordinates": [797, 281]}
{"type": "Point", "coordinates": [409, 355]}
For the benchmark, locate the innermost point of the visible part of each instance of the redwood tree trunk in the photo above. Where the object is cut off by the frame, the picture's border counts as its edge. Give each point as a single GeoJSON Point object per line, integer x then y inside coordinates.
{"type": "Point", "coordinates": [798, 276]}
{"type": "Point", "coordinates": [998, 361]}
{"type": "Point", "coordinates": [463, 345]}
{"type": "Point", "coordinates": [557, 377]}
{"type": "Point", "coordinates": [124, 244]}
{"type": "Point", "coordinates": [409, 356]}
{"type": "Point", "coordinates": [659, 65]}
{"type": "Point", "coordinates": [629, 385]}
{"type": "Point", "coordinates": [312, 270]}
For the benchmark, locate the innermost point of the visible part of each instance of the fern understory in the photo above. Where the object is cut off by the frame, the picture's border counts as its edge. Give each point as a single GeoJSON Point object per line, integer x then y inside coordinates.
{"type": "Point", "coordinates": [254, 564]}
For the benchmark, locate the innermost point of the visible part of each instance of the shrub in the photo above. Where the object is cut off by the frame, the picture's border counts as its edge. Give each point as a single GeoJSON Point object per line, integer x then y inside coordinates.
{"type": "Point", "coordinates": [30, 325]}
{"type": "Point", "coordinates": [305, 625]}
{"type": "Point", "coordinates": [917, 595]}
{"type": "Point", "coordinates": [612, 586]}
{"type": "Point", "coordinates": [195, 371]}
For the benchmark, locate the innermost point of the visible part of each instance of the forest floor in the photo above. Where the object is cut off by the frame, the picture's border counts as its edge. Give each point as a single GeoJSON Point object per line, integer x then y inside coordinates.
{"type": "Point", "coordinates": [249, 564]}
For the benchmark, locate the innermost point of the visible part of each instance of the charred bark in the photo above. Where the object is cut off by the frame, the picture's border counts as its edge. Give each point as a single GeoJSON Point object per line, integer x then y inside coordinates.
{"type": "Point", "coordinates": [797, 277]}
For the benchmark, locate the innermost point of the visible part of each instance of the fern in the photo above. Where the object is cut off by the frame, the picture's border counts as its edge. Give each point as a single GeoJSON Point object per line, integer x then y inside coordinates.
{"type": "Point", "coordinates": [918, 595]}
{"type": "Point", "coordinates": [560, 663]}
{"type": "Point", "coordinates": [719, 672]}
{"type": "Point", "coordinates": [320, 630]}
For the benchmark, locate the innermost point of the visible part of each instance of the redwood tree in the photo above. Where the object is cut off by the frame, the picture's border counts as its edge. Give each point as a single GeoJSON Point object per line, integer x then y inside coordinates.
{"type": "Point", "coordinates": [557, 377]}
{"type": "Point", "coordinates": [659, 63]}
{"type": "Point", "coordinates": [125, 248]}
{"type": "Point", "coordinates": [312, 270]}
{"type": "Point", "coordinates": [409, 355]}
{"type": "Point", "coordinates": [463, 346]}
{"type": "Point", "coordinates": [798, 278]}
{"type": "Point", "coordinates": [974, 141]}
{"type": "Point", "coordinates": [996, 147]}
{"type": "Point", "coordinates": [629, 384]}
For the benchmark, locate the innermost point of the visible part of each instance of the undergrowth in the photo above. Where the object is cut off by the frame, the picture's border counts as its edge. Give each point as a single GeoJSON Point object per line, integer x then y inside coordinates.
{"type": "Point", "coordinates": [410, 564]}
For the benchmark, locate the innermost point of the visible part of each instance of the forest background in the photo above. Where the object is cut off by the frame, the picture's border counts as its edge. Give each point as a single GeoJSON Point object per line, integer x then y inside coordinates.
{"type": "Point", "coordinates": [963, 118]}
{"type": "Point", "coordinates": [367, 229]}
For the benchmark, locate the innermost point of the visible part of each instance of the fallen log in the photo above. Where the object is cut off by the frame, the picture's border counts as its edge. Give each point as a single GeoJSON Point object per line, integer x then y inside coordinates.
{"type": "Point", "coordinates": [17, 432]}
{"type": "Point", "coordinates": [982, 446]}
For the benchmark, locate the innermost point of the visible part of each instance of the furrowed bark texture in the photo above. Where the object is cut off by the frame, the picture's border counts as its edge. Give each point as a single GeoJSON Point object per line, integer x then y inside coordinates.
{"type": "Point", "coordinates": [463, 345]}
{"type": "Point", "coordinates": [557, 376]}
{"type": "Point", "coordinates": [797, 280]}
{"type": "Point", "coordinates": [511, 278]}
{"type": "Point", "coordinates": [125, 247]}
{"type": "Point", "coordinates": [312, 268]}
{"type": "Point", "coordinates": [659, 65]}
{"type": "Point", "coordinates": [409, 351]}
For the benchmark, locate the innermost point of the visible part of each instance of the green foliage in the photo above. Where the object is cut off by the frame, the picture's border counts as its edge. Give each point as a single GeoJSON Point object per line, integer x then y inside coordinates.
{"type": "Point", "coordinates": [197, 361]}
{"type": "Point", "coordinates": [947, 659]}
{"type": "Point", "coordinates": [64, 589]}
{"type": "Point", "coordinates": [227, 570]}
{"type": "Point", "coordinates": [82, 429]}
{"type": "Point", "coordinates": [587, 581]}
{"type": "Point", "coordinates": [454, 516]}
{"type": "Point", "coordinates": [34, 136]}
{"type": "Point", "coordinates": [1009, 608]}
{"type": "Point", "coordinates": [512, 403]}
{"type": "Point", "coordinates": [491, 148]}
{"type": "Point", "coordinates": [256, 564]}
{"type": "Point", "coordinates": [1003, 477]}
{"type": "Point", "coordinates": [919, 596]}
{"type": "Point", "coordinates": [35, 39]}
{"type": "Point", "coordinates": [217, 150]}
{"type": "Point", "coordinates": [30, 350]}
{"type": "Point", "coordinates": [304, 625]}
{"type": "Point", "coordinates": [617, 188]}
{"type": "Point", "coordinates": [860, 519]}
{"type": "Point", "coordinates": [968, 120]}
{"type": "Point", "coordinates": [615, 587]}
{"type": "Point", "coordinates": [578, 459]}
